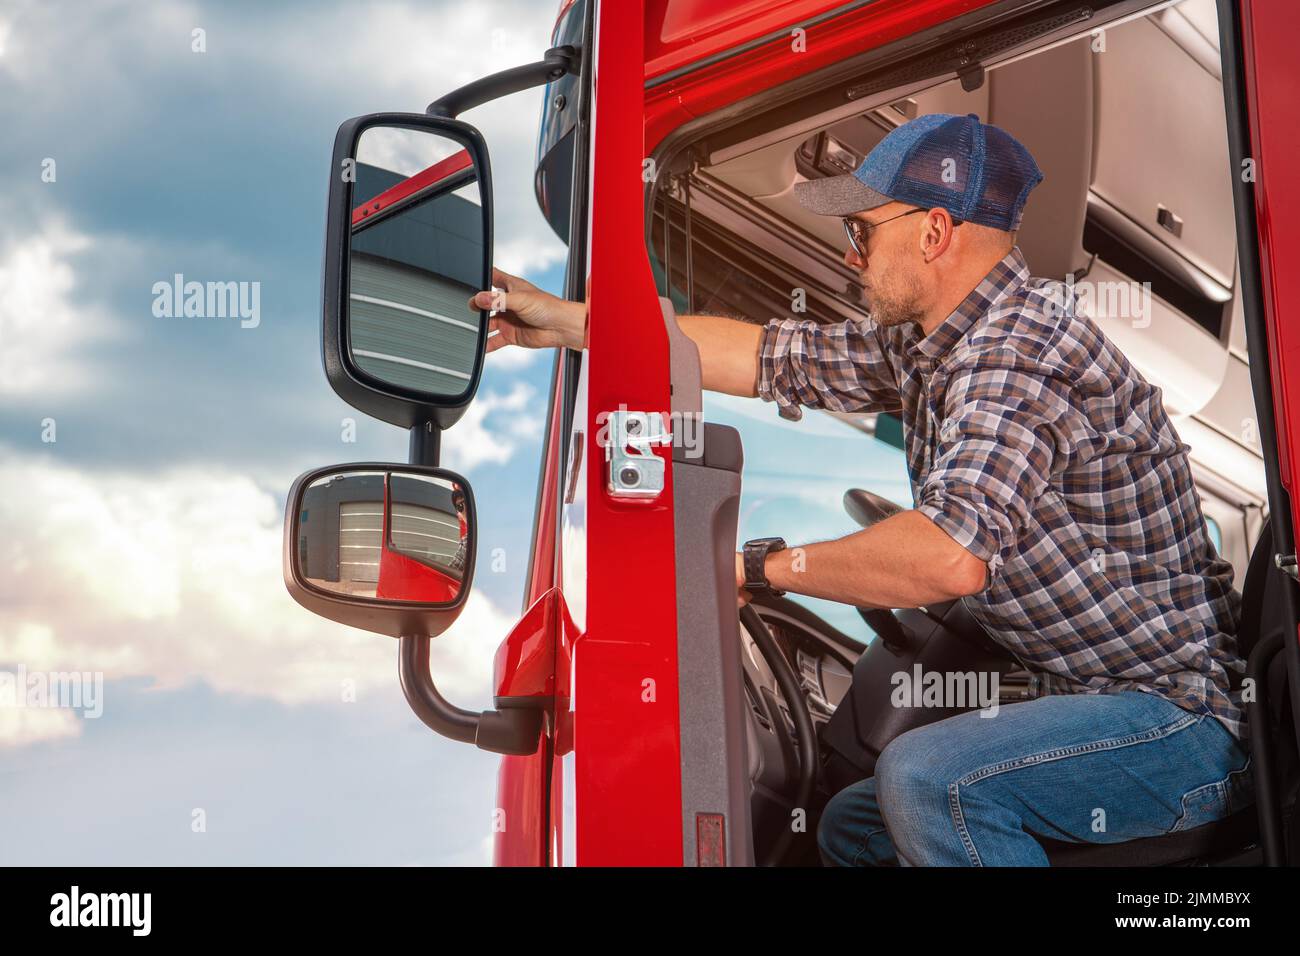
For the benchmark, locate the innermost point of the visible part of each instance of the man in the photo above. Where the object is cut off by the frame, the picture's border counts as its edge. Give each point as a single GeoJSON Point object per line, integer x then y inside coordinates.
{"type": "Point", "coordinates": [1050, 489]}
{"type": "Point", "coordinates": [458, 502]}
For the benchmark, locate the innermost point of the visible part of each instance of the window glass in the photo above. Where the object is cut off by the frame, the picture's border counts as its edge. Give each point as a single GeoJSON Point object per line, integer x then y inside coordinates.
{"type": "Point", "coordinates": [1216, 535]}
{"type": "Point", "coordinates": [796, 473]}
{"type": "Point", "coordinates": [794, 481]}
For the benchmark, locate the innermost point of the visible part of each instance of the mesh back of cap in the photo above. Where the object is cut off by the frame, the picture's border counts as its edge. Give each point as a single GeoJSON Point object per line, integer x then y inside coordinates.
{"type": "Point", "coordinates": [939, 169]}
{"type": "Point", "coordinates": [1009, 174]}
{"type": "Point", "coordinates": [978, 173]}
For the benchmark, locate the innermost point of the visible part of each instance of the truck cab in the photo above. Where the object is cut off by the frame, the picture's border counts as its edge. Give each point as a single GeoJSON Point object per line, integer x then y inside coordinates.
{"type": "Point", "coordinates": [640, 719]}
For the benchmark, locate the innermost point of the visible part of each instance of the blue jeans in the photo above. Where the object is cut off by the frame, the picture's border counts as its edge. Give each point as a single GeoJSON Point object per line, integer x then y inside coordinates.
{"type": "Point", "coordinates": [1091, 768]}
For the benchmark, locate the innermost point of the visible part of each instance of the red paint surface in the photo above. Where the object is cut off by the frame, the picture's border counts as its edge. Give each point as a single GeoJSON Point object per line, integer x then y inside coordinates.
{"type": "Point", "coordinates": [712, 87]}
{"type": "Point", "coordinates": [681, 32]}
{"type": "Point", "coordinates": [525, 661]}
{"type": "Point", "coordinates": [519, 818]}
{"type": "Point", "coordinates": [522, 781]}
{"type": "Point", "coordinates": [406, 579]}
{"type": "Point", "coordinates": [1272, 91]}
{"type": "Point", "coordinates": [1268, 34]}
{"type": "Point", "coordinates": [625, 734]}
{"type": "Point", "coordinates": [424, 179]}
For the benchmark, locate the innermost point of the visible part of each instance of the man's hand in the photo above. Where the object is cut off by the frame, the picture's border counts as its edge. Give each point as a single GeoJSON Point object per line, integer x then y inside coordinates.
{"type": "Point", "coordinates": [528, 317]}
{"type": "Point", "coordinates": [743, 594]}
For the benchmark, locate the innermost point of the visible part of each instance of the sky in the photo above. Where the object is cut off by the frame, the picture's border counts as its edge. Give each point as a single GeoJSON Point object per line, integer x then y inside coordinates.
{"type": "Point", "coordinates": [144, 459]}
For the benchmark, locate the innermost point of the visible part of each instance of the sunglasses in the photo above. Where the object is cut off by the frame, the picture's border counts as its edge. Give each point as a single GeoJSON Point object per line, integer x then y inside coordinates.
{"type": "Point", "coordinates": [859, 232]}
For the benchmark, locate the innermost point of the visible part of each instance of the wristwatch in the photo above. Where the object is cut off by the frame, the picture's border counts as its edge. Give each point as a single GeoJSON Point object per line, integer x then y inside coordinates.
{"type": "Point", "coordinates": [756, 551]}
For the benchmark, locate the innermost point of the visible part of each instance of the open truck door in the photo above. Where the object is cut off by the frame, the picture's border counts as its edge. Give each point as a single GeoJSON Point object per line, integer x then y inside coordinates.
{"type": "Point", "coordinates": [656, 773]}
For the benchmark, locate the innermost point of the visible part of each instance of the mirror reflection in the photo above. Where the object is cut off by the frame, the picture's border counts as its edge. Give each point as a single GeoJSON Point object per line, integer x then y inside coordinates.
{"type": "Point", "coordinates": [387, 535]}
{"type": "Point", "coordinates": [416, 256]}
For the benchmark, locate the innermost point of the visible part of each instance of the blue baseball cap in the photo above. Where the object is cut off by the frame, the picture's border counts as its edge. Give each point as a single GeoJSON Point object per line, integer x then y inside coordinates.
{"type": "Point", "coordinates": [978, 172]}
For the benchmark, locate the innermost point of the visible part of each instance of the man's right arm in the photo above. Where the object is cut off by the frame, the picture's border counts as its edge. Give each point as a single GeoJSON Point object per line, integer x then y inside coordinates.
{"type": "Point", "coordinates": [841, 366]}
{"type": "Point", "coordinates": [728, 352]}
{"type": "Point", "coordinates": [529, 317]}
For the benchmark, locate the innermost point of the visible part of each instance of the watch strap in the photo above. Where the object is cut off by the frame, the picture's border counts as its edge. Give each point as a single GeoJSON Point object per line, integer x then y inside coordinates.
{"type": "Point", "coordinates": [755, 559]}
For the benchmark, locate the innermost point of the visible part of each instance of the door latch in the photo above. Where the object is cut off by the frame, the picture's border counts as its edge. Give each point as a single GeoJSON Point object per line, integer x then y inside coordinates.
{"type": "Point", "coordinates": [634, 470]}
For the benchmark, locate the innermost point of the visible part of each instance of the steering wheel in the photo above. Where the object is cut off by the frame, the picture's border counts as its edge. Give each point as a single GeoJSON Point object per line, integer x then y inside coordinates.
{"type": "Point", "coordinates": [805, 735]}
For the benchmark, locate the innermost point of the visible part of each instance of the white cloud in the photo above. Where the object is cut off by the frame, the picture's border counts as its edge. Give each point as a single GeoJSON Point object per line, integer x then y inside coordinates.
{"type": "Point", "coordinates": [30, 725]}
{"type": "Point", "coordinates": [410, 55]}
{"type": "Point", "coordinates": [522, 255]}
{"type": "Point", "coordinates": [177, 577]}
{"type": "Point", "coordinates": [512, 358]}
{"type": "Point", "coordinates": [41, 330]}
{"type": "Point", "coordinates": [517, 419]}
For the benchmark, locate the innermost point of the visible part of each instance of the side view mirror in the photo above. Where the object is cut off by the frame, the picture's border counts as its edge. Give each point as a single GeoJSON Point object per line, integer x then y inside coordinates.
{"type": "Point", "coordinates": [390, 549]}
{"type": "Point", "coordinates": [387, 548]}
{"type": "Point", "coordinates": [408, 241]}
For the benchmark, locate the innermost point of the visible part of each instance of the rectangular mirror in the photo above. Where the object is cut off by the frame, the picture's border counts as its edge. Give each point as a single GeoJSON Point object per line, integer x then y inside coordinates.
{"type": "Point", "coordinates": [373, 537]}
{"type": "Point", "coordinates": [411, 214]}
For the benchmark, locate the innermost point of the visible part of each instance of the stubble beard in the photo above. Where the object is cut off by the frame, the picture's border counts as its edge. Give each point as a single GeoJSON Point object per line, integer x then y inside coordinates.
{"type": "Point", "coordinates": [890, 310]}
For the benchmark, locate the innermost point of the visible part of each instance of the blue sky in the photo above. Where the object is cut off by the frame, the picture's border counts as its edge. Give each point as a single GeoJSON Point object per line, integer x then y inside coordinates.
{"type": "Point", "coordinates": [143, 543]}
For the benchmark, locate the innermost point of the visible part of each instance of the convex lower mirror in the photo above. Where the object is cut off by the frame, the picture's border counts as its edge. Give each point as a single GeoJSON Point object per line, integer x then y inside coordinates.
{"type": "Point", "coordinates": [375, 537]}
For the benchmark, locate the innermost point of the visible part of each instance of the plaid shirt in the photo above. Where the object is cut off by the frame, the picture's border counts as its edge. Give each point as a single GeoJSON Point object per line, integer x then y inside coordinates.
{"type": "Point", "coordinates": [1034, 443]}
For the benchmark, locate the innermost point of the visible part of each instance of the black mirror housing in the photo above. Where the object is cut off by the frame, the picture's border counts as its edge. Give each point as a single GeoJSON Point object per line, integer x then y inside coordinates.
{"type": "Point", "coordinates": [392, 401]}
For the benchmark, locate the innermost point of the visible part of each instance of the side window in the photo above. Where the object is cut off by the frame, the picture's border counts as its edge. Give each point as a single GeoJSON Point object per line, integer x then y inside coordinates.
{"type": "Point", "coordinates": [1216, 534]}
{"type": "Point", "coordinates": [796, 473]}
{"type": "Point", "coordinates": [795, 477]}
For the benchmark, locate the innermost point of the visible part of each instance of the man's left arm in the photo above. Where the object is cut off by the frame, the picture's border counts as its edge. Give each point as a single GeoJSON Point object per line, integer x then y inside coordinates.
{"type": "Point", "coordinates": [903, 561]}
{"type": "Point", "coordinates": [1006, 427]}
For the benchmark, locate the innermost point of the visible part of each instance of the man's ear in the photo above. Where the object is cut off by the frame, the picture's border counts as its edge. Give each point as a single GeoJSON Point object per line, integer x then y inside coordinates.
{"type": "Point", "coordinates": [936, 233]}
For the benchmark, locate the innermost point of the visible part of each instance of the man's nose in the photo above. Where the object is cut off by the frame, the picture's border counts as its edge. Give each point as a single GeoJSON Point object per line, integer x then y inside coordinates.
{"type": "Point", "coordinates": [853, 260]}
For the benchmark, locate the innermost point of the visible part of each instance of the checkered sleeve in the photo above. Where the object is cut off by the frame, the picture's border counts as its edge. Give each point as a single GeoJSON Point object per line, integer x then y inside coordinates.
{"type": "Point", "coordinates": [1005, 426]}
{"type": "Point", "coordinates": [842, 366]}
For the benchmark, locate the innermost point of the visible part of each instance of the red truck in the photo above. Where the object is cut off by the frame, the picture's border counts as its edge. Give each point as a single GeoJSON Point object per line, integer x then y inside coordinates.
{"type": "Point", "coordinates": [641, 721]}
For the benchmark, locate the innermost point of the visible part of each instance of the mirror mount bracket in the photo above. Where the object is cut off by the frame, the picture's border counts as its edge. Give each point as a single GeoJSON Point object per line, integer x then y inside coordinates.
{"type": "Point", "coordinates": [555, 63]}
{"type": "Point", "coordinates": [426, 444]}
{"type": "Point", "coordinates": [510, 730]}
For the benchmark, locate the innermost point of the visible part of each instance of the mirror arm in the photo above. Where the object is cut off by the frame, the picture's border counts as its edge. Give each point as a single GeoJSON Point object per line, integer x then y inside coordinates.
{"type": "Point", "coordinates": [429, 705]}
{"type": "Point", "coordinates": [511, 730]}
{"type": "Point", "coordinates": [555, 63]}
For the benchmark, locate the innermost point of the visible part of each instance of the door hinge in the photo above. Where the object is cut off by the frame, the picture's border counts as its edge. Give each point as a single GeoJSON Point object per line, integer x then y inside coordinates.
{"type": "Point", "coordinates": [634, 471]}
